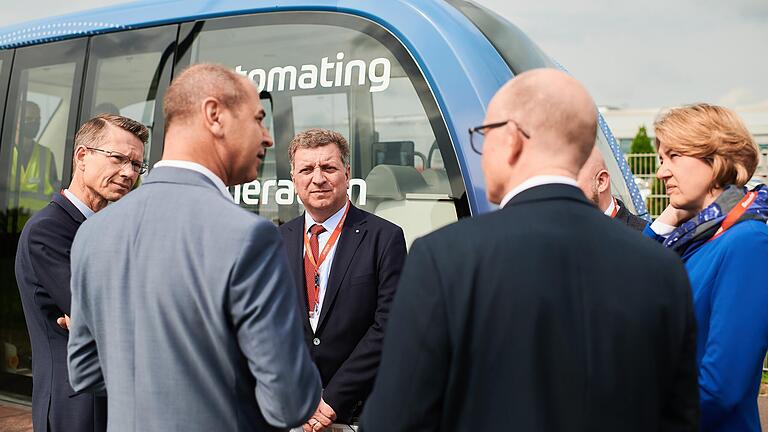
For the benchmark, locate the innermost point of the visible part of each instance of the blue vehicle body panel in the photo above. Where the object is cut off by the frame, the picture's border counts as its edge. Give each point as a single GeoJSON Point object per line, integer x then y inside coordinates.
{"type": "Point", "coordinates": [460, 65]}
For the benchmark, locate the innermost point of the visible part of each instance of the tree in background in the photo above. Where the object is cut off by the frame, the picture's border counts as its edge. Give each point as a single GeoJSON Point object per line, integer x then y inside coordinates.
{"type": "Point", "coordinates": [641, 143]}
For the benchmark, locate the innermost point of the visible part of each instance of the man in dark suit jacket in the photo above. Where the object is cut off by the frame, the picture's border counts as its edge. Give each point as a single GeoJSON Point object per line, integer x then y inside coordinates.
{"type": "Point", "coordinates": [542, 316]}
{"type": "Point", "coordinates": [595, 181]}
{"type": "Point", "coordinates": [108, 158]}
{"type": "Point", "coordinates": [345, 299]}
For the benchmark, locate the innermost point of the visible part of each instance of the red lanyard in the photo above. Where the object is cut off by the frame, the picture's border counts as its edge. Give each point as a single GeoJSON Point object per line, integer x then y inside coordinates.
{"type": "Point", "coordinates": [615, 210]}
{"type": "Point", "coordinates": [735, 214]}
{"type": "Point", "coordinates": [328, 245]}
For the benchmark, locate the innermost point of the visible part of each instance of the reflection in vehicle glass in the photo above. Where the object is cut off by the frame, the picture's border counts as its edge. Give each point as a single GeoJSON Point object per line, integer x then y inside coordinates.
{"type": "Point", "coordinates": [345, 80]}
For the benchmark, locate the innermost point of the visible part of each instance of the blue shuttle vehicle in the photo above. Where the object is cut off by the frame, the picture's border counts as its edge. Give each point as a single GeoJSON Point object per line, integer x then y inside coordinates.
{"type": "Point", "coordinates": [403, 80]}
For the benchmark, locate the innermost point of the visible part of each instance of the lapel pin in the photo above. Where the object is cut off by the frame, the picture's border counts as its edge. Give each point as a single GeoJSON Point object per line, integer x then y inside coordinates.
{"type": "Point", "coordinates": [357, 231]}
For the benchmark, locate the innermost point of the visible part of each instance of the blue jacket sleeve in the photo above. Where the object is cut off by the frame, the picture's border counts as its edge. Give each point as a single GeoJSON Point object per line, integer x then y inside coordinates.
{"type": "Point", "coordinates": [729, 370]}
{"type": "Point", "coordinates": [648, 232]}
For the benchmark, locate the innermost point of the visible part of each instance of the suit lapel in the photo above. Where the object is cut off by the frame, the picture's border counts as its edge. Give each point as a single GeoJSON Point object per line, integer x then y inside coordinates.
{"type": "Point", "coordinates": [64, 202]}
{"type": "Point", "coordinates": [352, 235]}
{"type": "Point", "coordinates": [294, 246]}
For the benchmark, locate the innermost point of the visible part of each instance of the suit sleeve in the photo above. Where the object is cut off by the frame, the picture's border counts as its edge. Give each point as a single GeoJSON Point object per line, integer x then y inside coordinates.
{"type": "Point", "coordinates": [268, 330]}
{"type": "Point", "coordinates": [51, 263]}
{"type": "Point", "coordinates": [680, 411]}
{"type": "Point", "coordinates": [409, 389]}
{"type": "Point", "coordinates": [82, 355]}
{"type": "Point", "coordinates": [738, 328]}
{"type": "Point", "coordinates": [354, 378]}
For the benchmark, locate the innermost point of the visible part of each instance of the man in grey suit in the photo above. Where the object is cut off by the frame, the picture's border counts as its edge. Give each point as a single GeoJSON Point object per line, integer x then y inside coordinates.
{"type": "Point", "coordinates": [183, 306]}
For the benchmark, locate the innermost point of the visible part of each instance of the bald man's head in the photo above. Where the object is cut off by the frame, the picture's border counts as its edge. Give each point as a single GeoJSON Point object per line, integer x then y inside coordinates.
{"type": "Point", "coordinates": [560, 122]}
{"type": "Point", "coordinates": [595, 181]}
{"type": "Point", "coordinates": [554, 106]}
{"type": "Point", "coordinates": [187, 91]}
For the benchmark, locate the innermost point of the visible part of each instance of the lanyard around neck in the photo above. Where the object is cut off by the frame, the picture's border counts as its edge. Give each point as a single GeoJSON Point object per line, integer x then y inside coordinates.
{"type": "Point", "coordinates": [735, 213]}
{"type": "Point", "coordinates": [328, 245]}
{"type": "Point", "coordinates": [615, 210]}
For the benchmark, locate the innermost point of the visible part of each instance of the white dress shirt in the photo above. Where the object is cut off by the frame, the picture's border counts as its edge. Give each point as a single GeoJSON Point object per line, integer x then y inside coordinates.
{"type": "Point", "coordinates": [84, 209]}
{"type": "Point", "coordinates": [611, 206]}
{"type": "Point", "coordinates": [194, 166]}
{"type": "Point", "coordinates": [662, 229]}
{"type": "Point", "coordinates": [325, 268]}
{"type": "Point", "coordinates": [537, 181]}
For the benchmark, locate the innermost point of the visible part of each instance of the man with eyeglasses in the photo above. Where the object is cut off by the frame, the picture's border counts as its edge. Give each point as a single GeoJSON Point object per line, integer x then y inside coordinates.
{"type": "Point", "coordinates": [108, 159]}
{"type": "Point", "coordinates": [541, 316]}
{"type": "Point", "coordinates": [183, 304]}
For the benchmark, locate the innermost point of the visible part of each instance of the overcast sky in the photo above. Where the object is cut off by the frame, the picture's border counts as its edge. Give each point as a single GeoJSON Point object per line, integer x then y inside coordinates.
{"type": "Point", "coordinates": [629, 54]}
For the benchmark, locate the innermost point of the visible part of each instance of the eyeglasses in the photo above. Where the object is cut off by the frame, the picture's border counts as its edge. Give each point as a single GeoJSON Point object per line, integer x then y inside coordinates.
{"type": "Point", "coordinates": [139, 167]}
{"type": "Point", "coordinates": [477, 143]}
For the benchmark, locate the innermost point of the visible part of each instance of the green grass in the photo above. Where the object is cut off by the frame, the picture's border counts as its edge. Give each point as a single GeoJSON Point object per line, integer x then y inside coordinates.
{"type": "Point", "coordinates": [765, 377]}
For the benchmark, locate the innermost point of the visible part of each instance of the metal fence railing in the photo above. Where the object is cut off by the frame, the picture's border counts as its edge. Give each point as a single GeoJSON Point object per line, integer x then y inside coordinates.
{"type": "Point", "coordinates": [652, 190]}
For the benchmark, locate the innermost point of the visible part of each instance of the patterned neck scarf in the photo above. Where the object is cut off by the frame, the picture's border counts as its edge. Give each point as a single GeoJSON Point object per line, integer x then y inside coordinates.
{"type": "Point", "coordinates": [699, 229]}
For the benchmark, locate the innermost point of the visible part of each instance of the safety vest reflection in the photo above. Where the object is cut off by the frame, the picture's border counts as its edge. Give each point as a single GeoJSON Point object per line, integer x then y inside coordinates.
{"type": "Point", "coordinates": [32, 182]}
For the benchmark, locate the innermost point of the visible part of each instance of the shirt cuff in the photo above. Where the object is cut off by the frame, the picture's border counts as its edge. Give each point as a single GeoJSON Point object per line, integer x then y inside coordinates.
{"type": "Point", "coordinates": [662, 229]}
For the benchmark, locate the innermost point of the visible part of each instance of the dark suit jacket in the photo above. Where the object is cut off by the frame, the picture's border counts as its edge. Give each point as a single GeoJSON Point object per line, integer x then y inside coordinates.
{"type": "Point", "coordinates": [635, 222]}
{"type": "Point", "coordinates": [42, 274]}
{"type": "Point", "coordinates": [542, 316]}
{"type": "Point", "coordinates": [364, 274]}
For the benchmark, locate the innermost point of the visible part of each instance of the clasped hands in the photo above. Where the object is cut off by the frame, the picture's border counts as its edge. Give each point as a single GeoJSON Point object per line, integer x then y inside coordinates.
{"type": "Point", "coordinates": [63, 322]}
{"type": "Point", "coordinates": [323, 418]}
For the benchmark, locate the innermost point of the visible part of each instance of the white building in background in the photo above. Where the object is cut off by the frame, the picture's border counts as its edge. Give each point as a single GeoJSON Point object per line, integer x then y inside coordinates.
{"type": "Point", "coordinates": [624, 124]}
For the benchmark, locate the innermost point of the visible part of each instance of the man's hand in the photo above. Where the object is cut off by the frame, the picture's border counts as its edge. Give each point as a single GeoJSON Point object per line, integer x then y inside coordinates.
{"type": "Point", "coordinates": [321, 419]}
{"type": "Point", "coordinates": [63, 322]}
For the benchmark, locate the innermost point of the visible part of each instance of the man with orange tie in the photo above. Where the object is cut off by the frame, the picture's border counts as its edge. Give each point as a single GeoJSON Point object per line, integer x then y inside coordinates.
{"type": "Point", "coordinates": [347, 264]}
{"type": "Point", "coordinates": [595, 181]}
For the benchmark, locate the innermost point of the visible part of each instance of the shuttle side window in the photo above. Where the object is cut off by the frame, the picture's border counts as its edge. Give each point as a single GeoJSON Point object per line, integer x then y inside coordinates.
{"type": "Point", "coordinates": [35, 161]}
{"type": "Point", "coordinates": [344, 73]}
{"type": "Point", "coordinates": [128, 73]}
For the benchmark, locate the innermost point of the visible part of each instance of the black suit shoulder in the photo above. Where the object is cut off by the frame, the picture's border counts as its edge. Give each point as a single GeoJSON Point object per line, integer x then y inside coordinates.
{"type": "Point", "coordinates": [546, 277]}
{"type": "Point", "coordinates": [563, 226]}
{"type": "Point", "coordinates": [631, 220]}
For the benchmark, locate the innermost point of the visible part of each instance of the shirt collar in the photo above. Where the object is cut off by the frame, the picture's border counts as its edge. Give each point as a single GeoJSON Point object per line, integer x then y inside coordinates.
{"type": "Point", "coordinates": [330, 223]}
{"type": "Point", "coordinates": [537, 181]}
{"type": "Point", "coordinates": [194, 166]}
{"type": "Point", "coordinates": [81, 206]}
{"type": "Point", "coordinates": [611, 206]}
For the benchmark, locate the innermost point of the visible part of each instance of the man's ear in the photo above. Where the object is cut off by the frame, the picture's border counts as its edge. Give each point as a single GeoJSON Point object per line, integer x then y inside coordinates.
{"type": "Point", "coordinates": [348, 174]}
{"type": "Point", "coordinates": [79, 157]}
{"type": "Point", "coordinates": [603, 181]}
{"type": "Point", "coordinates": [513, 144]}
{"type": "Point", "coordinates": [212, 110]}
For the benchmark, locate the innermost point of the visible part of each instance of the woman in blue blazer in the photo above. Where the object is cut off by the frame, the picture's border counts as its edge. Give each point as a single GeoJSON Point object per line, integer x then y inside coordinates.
{"type": "Point", "coordinates": [719, 229]}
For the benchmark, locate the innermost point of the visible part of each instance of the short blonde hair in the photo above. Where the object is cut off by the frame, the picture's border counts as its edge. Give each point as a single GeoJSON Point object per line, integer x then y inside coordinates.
{"type": "Point", "coordinates": [316, 137]}
{"type": "Point", "coordinates": [713, 134]}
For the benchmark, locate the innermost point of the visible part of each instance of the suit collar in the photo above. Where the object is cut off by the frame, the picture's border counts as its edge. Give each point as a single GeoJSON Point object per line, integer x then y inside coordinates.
{"type": "Point", "coordinates": [536, 181]}
{"type": "Point", "coordinates": [81, 206]}
{"type": "Point", "coordinates": [553, 191]}
{"type": "Point", "coordinates": [194, 166]}
{"type": "Point", "coordinates": [167, 174]}
{"type": "Point", "coordinates": [68, 207]}
{"type": "Point", "coordinates": [330, 223]}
